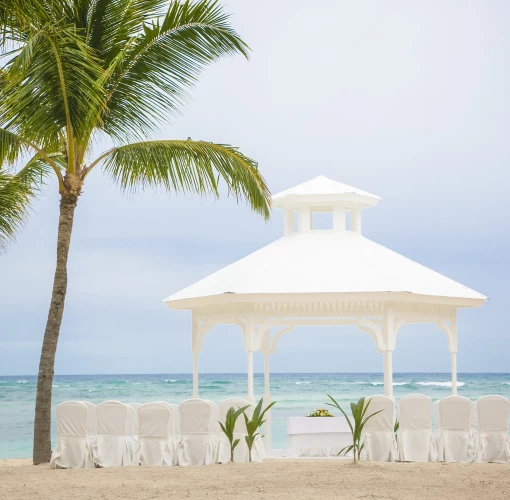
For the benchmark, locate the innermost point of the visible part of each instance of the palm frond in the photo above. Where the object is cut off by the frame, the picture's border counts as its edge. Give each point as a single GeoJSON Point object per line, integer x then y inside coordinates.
{"type": "Point", "coordinates": [188, 165]}
{"type": "Point", "coordinates": [51, 86]}
{"type": "Point", "coordinates": [17, 192]}
{"type": "Point", "coordinates": [10, 147]}
{"type": "Point", "coordinates": [151, 76]}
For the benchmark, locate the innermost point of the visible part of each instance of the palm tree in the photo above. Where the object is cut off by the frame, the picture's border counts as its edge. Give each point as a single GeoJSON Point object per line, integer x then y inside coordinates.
{"type": "Point", "coordinates": [117, 68]}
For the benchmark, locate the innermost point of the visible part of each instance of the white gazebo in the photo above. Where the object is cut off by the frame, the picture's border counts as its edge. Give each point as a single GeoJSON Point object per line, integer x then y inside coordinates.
{"type": "Point", "coordinates": [322, 277]}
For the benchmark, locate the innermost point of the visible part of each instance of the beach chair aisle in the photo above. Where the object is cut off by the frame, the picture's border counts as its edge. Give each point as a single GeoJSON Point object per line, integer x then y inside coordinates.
{"type": "Point", "coordinates": [114, 434]}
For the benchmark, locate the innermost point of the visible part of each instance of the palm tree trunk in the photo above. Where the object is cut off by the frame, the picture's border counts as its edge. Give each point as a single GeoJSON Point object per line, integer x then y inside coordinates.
{"type": "Point", "coordinates": [42, 423]}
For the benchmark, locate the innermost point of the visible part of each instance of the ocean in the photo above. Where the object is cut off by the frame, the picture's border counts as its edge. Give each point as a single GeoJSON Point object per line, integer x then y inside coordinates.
{"type": "Point", "coordinates": [296, 394]}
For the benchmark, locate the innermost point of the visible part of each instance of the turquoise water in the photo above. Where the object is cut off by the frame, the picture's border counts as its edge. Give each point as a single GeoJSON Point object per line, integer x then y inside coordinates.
{"type": "Point", "coordinates": [296, 394]}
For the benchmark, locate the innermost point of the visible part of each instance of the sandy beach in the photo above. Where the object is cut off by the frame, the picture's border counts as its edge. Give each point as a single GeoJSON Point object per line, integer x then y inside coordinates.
{"type": "Point", "coordinates": [280, 479]}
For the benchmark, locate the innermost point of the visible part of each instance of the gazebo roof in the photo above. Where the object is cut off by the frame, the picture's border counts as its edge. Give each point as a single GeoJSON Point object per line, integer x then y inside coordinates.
{"type": "Point", "coordinates": [339, 262]}
{"type": "Point", "coordinates": [323, 190]}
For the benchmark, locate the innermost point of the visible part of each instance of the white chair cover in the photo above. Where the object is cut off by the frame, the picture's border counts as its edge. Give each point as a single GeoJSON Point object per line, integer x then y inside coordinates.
{"type": "Point", "coordinates": [136, 407]}
{"type": "Point", "coordinates": [115, 444]}
{"type": "Point", "coordinates": [159, 434]}
{"type": "Point", "coordinates": [200, 442]}
{"type": "Point", "coordinates": [91, 418]}
{"type": "Point", "coordinates": [453, 435]}
{"type": "Point", "coordinates": [241, 451]}
{"type": "Point", "coordinates": [379, 439]}
{"type": "Point", "coordinates": [73, 447]}
{"type": "Point", "coordinates": [415, 440]}
{"type": "Point", "coordinates": [493, 443]}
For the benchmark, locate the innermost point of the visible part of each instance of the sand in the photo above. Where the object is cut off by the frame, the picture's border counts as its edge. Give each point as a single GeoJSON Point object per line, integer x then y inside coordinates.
{"type": "Point", "coordinates": [275, 478]}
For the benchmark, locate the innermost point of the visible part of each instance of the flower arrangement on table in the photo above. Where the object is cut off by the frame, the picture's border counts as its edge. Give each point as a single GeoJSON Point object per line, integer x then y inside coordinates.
{"type": "Point", "coordinates": [321, 412]}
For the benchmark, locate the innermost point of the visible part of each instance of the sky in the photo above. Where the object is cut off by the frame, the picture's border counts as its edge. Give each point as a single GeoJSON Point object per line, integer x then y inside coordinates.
{"type": "Point", "coordinates": [406, 100]}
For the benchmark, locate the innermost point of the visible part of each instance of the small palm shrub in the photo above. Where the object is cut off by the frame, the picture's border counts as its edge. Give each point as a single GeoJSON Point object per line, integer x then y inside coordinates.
{"type": "Point", "coordinates": [229, 427]}
{"type": "Point", "coordinates": [253, 424]}
{"type": "Point", "coordinates": [359, 411]}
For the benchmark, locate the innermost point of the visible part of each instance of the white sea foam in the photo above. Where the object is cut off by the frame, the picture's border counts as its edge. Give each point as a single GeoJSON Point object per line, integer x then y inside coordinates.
{"type": "Point", "coordinates": [506, 383]}
{"type": "Point", "coordinates": [21, 381]}
{"type": "Point", "coordinates": [170, 380]}
{"type": "Point", "coordinates": [382, 383]}
{"type": "Point", "coordinates": [304, 382]}
{"type": "Point", "coordinates": [55, 385]}
{"type": "Point", "coordinates": [90, 390]}
{"type": "Point", "coordinates": [439, 384]}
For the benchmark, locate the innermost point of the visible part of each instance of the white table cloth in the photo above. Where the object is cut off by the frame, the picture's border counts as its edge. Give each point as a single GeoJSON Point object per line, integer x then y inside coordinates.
{"type": "Point", "coordinates": [317, 436]}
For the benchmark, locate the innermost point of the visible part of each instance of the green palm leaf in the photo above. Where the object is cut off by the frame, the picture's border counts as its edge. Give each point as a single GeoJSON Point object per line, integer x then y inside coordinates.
{"type": "Point", "coordinates": [150, 78]}
{"type": "Point", "coordinates": [17, 192]}
{"type": "Point", "coordinates": [192, 166]}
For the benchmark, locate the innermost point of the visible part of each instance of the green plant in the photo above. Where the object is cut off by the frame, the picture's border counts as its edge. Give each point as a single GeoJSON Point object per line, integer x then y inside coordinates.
{"type": "Point", "coordinates": [229, 427]}
{"type": "Point", "coordinates": [358, 410]}
{"type": "Point", "coordinates": [253, 424]}
{"type": "Point", "coordinates": [396, 427]}
{"type": "Point", "coordinates": [321, 412]}
{"type": "Point", "coordinates": [77, 74]}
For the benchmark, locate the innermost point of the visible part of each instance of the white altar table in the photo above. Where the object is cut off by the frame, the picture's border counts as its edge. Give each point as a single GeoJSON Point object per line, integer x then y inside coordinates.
{"type": "Point", "coordinates": [317, 436]}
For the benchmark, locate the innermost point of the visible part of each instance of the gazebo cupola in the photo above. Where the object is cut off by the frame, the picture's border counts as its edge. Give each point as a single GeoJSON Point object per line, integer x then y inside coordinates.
{"type": "Point", "coordinates": [323, 195]}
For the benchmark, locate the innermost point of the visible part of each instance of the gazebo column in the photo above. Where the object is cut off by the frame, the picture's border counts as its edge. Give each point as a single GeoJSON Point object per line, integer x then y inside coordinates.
{"type": "Point", "coordinates": [450, 328]}
{"type": "Point", "coordinates": [388, 373]}
{"type": "Point", "coordinates": [453, 351]}
{"type": "Point", "coordinates": [388, 331]}
{"type": "Point", "coordinates": [198, 331]}
{"type": "Point", "coordinates": [251, 396]}
{"type": "Point", "coordinates": [268, 437]}
{"type": "Point", "coordinates": [195, 374]}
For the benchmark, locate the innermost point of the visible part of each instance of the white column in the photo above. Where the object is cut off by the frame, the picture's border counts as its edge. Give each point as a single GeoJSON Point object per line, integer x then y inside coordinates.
{"type": "Point", "coordinates": [454, 373]}
{"type": "Point", "coordinates": [388, 374]}
{"type": "Point", "coordinates": [268, 438]}
{"type": "Point", "coordinates": [356, 220]}
{"type": "Point", "coordinates": [305, 223]}
{"type": "Point", "coordinates": [195, 374]}
{"type": "Point", "coordinates": [339, 218]}
{"type": "Point", "coordinates": [251, 397]}
{"type": "Point", "coordinates": [288, 221]}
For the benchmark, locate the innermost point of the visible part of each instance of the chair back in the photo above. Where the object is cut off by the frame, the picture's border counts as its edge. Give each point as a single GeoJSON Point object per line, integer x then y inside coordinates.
{"type": "Point", "coordinates": [453, 412]}
{"type": "Point", "coordinates": [415, 412]}
{"type": "Point", "coordinates": [136, 407]}
{"type": "Point", "coordinates": [91, 407]}
{"type": "Point", "coordinates": [199, 416]}
{"type": "Point", "coordinates": [72, 419]}
{"type": "Point", "coordinates": [237, 403]}
{"type": "Point", "coordinates": [493, 413]}
{"type": "Point", "coordinates": [115, 419]}
{"type": "Point", "coordinates": [385, 420]}
{"type": "Point", "coordinates": [155, 421]}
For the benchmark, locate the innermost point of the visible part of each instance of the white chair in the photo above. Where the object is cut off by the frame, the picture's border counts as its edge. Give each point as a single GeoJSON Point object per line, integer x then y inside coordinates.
{"type": "Point", "coordinates": [91, 424]}
{"type": "Point", "coordinates": [136, 407]}
{"type": "Point", "coordinates": [73, 447]}
{"type": "Point", "coordinates": [115, 444]}
{"type": "Point", "coordinates": [241, 451]}
{"type": "Point", "coordinates": [453, 435]}
{"type": "Point", "coordinates": [492, 441]}
{"type": "Point", "coordinates": [415, 440]}
{"type": "Point", "coordinates": [379, 435]}
{"type": "Point", "coordinates": [200, 442]}
{"type": "Point", "coordinates": [159, 434]}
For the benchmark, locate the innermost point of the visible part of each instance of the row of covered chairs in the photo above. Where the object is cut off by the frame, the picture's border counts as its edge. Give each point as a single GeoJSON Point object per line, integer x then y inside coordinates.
{"type": "Point", "coordinates": [114, 434]}
{"type": "Point", "coordinates": [463, 431]}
